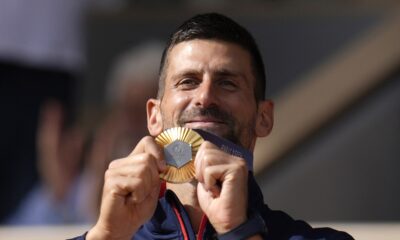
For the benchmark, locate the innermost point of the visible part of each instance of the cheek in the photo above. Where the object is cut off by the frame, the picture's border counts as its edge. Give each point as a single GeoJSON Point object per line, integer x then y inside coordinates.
{"type": "Point", "coordinates": [244, 112]}
{"type": "Point", "coordinates": [172, 106]}
{"type": "Point", "coordinates": [243, 107]}
{"type": "Point", "coordinates": [181, 100]}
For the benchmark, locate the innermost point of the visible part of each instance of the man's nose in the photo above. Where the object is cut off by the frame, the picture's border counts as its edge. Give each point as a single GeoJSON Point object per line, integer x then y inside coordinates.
{"type": "Point", "coordinates": [206, 95]}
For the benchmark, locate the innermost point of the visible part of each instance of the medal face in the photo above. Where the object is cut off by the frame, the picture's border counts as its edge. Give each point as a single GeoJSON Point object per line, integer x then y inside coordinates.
{"type": "Point", "coordinates": [178, 153]}
{"type": "Point", "coordinates": [180, 148]}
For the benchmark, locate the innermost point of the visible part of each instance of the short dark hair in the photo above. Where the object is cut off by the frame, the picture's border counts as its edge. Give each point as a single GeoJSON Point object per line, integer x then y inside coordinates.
{"type": "Point", "coordinates": [218, 27]}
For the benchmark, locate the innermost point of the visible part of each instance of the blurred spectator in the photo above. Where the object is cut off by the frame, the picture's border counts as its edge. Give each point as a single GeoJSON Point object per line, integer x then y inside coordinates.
{"type": "Point", "coordinates": [67, 194]}
{"type": "Point", "coordinates": [59, 155]}
{"type": "Point", "coordinates": [41, 56]}
{"type": "Point", "coordinates": [132, 81]}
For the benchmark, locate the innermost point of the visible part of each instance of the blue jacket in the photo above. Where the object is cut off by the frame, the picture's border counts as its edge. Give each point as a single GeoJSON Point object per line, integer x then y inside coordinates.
{"type": "Point", "coordinates": [170, 221]}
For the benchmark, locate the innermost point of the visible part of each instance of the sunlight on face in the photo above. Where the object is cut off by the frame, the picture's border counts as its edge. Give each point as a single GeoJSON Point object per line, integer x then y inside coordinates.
{"type": "Point", "coordinates": [209, 85]}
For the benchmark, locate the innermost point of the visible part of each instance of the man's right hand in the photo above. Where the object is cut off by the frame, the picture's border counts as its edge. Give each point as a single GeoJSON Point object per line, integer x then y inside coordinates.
{"type": "Point", "coordinates": [130, 192]}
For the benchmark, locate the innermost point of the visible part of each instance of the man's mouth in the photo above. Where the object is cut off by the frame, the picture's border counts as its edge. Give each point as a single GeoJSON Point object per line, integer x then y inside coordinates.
{"type": "Point", "coordinates": [204, 123]}
{"type": "Point", "coordinates": [211, 119]}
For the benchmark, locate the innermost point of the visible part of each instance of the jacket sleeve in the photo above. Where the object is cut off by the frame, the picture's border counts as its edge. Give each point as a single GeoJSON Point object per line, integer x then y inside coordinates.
{"type": "Point", "coordinates": [280, 226]}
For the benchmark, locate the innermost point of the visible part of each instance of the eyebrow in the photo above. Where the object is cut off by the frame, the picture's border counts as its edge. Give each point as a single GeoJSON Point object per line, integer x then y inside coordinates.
{"type": "Point", "coordinates": [228, 73]}
{"type": "Point", "coordinates": [184, 74]}
{"type": "Point", "coordinates": [221, 72]}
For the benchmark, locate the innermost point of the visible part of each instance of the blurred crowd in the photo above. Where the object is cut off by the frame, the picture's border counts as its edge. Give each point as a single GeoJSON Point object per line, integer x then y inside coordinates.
{"type": "Point", "coordinates": [53, 167]}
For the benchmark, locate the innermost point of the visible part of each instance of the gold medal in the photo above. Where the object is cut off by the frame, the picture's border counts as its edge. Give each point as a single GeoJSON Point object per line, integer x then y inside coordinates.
{"type": "Point", "coordinates": [180, 148]}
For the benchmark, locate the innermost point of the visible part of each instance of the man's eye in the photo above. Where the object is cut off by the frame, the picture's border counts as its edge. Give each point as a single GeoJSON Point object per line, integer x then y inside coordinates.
{"type": "Point", "coordinates": [227, 84]}
{"type": "Point", "coordinates": [187, 83]}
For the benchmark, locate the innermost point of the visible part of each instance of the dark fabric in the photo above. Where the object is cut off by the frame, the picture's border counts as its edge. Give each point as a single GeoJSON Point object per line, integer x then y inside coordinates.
{"type": "Point", "coordinates": [23, 89]}
{"type": "Point", "coordinates": [280, 226]}
{"type": "Point", "coordinates": [164, 224]}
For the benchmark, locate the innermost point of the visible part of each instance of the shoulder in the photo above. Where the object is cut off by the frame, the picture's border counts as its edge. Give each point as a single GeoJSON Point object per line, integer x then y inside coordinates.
{"type": "Point", "coordinates": [281, 226]}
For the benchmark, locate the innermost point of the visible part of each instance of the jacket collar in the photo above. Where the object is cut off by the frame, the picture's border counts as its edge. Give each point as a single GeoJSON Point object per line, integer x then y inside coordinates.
{"type": "Point", "coordinates": [170, 219]}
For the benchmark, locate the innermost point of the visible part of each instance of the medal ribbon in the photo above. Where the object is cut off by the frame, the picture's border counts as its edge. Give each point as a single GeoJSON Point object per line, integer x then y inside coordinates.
{"type": "Point", "coordinates": [228, 147]}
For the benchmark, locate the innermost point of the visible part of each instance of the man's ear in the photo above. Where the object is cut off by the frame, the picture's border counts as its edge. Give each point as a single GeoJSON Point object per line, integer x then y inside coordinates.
{"type": "Point", "coordinates": [265, 118]}
{"type": "Point", "coordinates": [154, 117]}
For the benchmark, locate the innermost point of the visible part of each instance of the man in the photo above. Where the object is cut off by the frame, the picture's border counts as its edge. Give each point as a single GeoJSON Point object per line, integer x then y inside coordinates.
{"type": "Point", "coordinates": [211, 78]}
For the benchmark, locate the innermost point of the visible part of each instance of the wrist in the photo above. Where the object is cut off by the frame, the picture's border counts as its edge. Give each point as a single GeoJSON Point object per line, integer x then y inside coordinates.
{"type": "Point", "coordinates": [229, 226]}
{"type": "Point", "coordinates": [253, 228]}
{"type": "Point", "coordinates": [93, 234]}
{"type": "Point", "coordinates": [98, 234]}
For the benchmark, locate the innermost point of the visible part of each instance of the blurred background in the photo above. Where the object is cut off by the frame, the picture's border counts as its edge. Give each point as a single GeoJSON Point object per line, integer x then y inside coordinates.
{"type": "Point", "coordinates": [74, 77]}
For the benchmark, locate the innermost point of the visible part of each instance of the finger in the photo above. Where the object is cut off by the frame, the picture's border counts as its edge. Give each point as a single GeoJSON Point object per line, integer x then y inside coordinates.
{"type": "Point", "coordinates": [197, 165]}
{"type": "Point", "coordinates": [199, 159]}
{"type": "Point", "coordinates": [213, 177]}
{"type": "Point", "coordinates": [204, 196]}
{"type": "Point", "coordinates": [141, 169]}
{"type": "Point", "coordinates": [136, 189]}
{"type": "Point", "coordinates": [142, 166]}
{"type": "Point", "coordinates": [149, 145]}
{"type": "Point", "coordinates": [146, 206]}
{"type": "Point", "coordinates": [122, 188]}
{"type": "Point", "coordinates": [209, 154]}
{"type": "Point", "coordinates": [142, 158]}
{"type": "Point", "coordinates": [136, 170]}
{"type": "Point", "coordinates": [208, 145]}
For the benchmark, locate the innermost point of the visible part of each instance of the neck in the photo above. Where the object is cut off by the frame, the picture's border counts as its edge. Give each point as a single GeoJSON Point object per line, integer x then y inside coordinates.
{"type": "Point", "coordinates": [187, 194]}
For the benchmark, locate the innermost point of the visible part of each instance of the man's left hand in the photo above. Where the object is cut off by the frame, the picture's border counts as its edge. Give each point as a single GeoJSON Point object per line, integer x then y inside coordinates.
{"type": "Point", "coordinates": [222, 188]}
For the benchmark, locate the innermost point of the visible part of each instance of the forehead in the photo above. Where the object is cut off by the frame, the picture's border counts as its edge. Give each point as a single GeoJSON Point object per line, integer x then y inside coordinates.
{"type": "Point", "coordinates": [209, 55]}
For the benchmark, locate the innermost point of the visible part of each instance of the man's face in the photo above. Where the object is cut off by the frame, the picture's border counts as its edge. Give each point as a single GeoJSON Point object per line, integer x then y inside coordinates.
{"type": "Point", "coordinates": [209, 85]}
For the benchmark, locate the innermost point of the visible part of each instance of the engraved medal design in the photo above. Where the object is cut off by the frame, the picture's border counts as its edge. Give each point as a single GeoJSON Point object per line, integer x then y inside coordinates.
{"type": "Point", "coordinates": [180, 148]}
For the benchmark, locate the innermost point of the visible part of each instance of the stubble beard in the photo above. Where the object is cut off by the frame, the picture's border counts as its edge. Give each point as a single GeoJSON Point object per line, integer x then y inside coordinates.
{"type": "Point", "coordinates": [240, 134]}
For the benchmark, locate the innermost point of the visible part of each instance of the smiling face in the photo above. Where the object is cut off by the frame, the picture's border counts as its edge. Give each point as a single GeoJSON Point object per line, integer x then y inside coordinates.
{"type": "Point", "coordinates": [210, 85]}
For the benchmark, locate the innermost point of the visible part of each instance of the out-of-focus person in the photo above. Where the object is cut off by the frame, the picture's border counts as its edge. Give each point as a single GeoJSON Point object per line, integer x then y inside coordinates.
{"type": "Point", "coordinates": [41, 55]}
{"type": "Point", "coordinates": [71, 175]}
{"type": "Point", "coordinates": [133, 79]}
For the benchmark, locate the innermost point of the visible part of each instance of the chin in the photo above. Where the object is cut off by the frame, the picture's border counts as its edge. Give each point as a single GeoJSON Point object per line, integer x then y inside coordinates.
{"type": "Point", "coordinates": [215, 130]}
{"type": "Point", "coordinates": [221, 130]}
